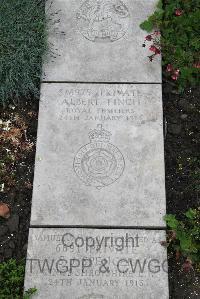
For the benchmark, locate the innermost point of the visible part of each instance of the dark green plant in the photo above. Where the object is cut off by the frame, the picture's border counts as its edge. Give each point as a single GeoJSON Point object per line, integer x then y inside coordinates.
{"type": "Point", "coordinates": [12, 281]}
{"type": "Point", "coordinates": [179, 23]}
{"type": "Point", "coordinates": [23, 43]}
{"type": "Point", "coordinates": [155, 20]}
{"type": "Point", "coordinates": [184, 236]}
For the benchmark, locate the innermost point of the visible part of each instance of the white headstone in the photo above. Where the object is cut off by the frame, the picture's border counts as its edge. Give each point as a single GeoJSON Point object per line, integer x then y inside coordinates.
{"type": "Point", "coordinates": [97, 264]}
{"type": "Point", "coordinates": [99, 41]}
{"type": "Point", "coordinates": [99, 157]}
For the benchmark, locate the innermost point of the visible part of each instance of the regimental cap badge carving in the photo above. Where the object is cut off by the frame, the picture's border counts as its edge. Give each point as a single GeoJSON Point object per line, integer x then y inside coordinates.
{"type": "Point", "coordinates": [103, 20]}
{"type": "Point", "coordinates": [99, 163]}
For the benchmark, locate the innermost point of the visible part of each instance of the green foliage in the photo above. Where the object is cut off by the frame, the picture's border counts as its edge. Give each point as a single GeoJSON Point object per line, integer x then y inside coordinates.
{"type": "Point", "coordinates": [12, 281]}
{"type": "Point", "coordinates": [179, 22]}
{"type": "Point", "coordinates": [185, 235]}
{"type": "Point", "coordinates": [23, 42]}
{"type": "Point", "coordinates": [28, 294]}
{"type": "Point", "coordinates": [155, 20]}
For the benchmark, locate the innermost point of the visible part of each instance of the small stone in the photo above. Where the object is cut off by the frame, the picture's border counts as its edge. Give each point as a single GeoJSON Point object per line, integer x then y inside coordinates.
{"type": "Point", "coordinates": [174, 129]}
{"type": "Point", "coordinates": [13, 223]}
{"type": "Point", "coordinates": [11, 107]}
{"type": "Point", "coordinates": [184, 116]}
{"type": "Point", "coordinates": [4, 208]}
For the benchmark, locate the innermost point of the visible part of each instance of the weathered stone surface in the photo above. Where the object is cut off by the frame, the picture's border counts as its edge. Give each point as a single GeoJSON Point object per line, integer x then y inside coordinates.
{"type": "Point", "coordinates": [97, 264]}
{"type": "Point", "coordinates": [99, 157]}
{"type": "Point", "coordinates": [94, 42]}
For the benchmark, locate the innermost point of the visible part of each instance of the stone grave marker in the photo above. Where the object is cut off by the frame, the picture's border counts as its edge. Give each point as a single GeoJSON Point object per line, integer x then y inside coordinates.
{"type": "Point", "coordinates": [99, 157]}
{"type": "Point", "coordinates": [99, 41]}
{"type": "Point", "coordinates": [97, 264]}
{"type": "Point", "coordinates": [99, 190]}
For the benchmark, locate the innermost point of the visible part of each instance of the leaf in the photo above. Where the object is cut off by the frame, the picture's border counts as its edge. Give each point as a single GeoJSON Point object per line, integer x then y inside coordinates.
{"type": "Point", "coordinates": [191, 214]}
{"type": "Point", "coordinates": [186, 243]}
{"type": "Point", "coordinates": [171, 220]}
{"type": "Point", "coordinates": [147, 26]}
{"type": "Point", "coordinates": [4, 210]}
{"type": "Point", "coordinates": [28, 294]}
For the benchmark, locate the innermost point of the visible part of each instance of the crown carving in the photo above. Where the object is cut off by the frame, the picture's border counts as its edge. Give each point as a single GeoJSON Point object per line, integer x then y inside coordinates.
{"type": "Point", "coordinates": [99, 134]}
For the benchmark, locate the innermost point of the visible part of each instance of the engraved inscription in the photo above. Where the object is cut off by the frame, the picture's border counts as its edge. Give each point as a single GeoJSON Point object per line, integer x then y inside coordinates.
{"type": "Point", "coordinates": [103, 20]}
{"type": "Point", "coordinates": [99, 163]}
{"type": "Point", "coordinates": [97, 264]}
{"type": "Point", "coordinates": [113, 104]}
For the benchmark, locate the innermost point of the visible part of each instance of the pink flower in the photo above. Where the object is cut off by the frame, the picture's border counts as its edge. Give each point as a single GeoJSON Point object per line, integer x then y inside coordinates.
{"type": "Point", "coordinates": [169, 68]}
{"type": "Point", "coordinates": [174, 77]}
{"type": "Point", "coordinates": [178, 12]}
{"type": "Point", "coordinates": [196, 65]}
{"type": "Point", "coordinates": [154, 49]}
{"type": "Point", "coordinates": [148, 37]}
{"type": "Point", "coordinates": [157, 51]}
{"type": "Point", "coordinates": [176, 72]}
